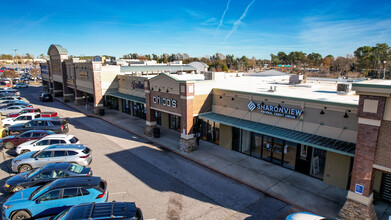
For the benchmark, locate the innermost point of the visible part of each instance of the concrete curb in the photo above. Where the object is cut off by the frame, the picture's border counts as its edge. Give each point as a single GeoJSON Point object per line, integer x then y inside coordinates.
{"type": "Point", "coordinates": [189, 158]}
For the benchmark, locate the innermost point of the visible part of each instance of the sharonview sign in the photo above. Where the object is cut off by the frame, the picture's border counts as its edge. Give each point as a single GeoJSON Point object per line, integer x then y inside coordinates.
{"type": "Point", "coordinates": [164, 101]}
{"type": "Point", "coordinates": [276, 110]}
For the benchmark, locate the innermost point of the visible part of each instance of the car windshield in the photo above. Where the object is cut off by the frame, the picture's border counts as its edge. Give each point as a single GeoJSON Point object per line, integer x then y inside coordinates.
{"type": "Point", "coordinates": [75, 168]}
{"type": "Point", "coordinates": [37, 152]}
{"type": "Point", "coordinates": [39, 189]}
{"type": "Point", "coordinates": [33, 173]}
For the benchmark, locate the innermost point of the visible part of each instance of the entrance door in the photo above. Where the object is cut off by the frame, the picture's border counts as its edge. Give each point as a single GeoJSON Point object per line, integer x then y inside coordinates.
{"type": "Point", "coordinates": [303, 159]}
{"type": "Point", "coordinates": [278, 150]}
{"type": "Point", "coordinates": [385, 191]}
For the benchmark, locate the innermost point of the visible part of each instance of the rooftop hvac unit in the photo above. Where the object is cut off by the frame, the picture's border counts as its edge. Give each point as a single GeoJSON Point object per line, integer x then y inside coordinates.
{"type": "Point", "coordinates": [344, 87]}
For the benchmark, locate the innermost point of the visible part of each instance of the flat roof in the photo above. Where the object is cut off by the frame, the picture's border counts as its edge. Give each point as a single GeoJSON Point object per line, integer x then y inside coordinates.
{"type": "Point", "coordinates": [317, 90]}
{"type": "Point", "coordinates": [158, 68]}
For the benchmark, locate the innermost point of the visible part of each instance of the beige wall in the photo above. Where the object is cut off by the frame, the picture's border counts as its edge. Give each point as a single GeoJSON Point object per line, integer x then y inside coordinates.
{"type": "Point", "coordinates": [383, 149]}
{"type": "Point", "coordinates": [336, 171]}
{"type": "Point", "coordinates": [387, 110]}
{"type": "Point", "coordinates": [226, 136]}
{"type": "Point", "coordinates": [129, 84]}
{"type": "Point", "coordinates": [109, 78]}
{"type": "Point", "coordinates": [377, 181]}
{"type": "Point", "coordinates": [332, 124]}
{"type": "Point", "coordinates": [164, 82]}
{"type": "Point", "coordinates": [165, 120]}
{"type": "Point", "coordinates": [202, 103]}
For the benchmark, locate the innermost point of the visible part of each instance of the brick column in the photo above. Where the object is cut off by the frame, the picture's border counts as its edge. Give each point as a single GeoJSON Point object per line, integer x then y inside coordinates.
{"type": "Point", "coordinates": [150, 122]}
{"type": "Point", "coordinates": [359, 205]}
{"type": "Point", "coordinates": [97, 84]}
{"type": "Point", "coordinates": [57, 89]}
{"type": "Point", "coordinates": [187, 142]}
{"type": "Point", "coordinates": [79, 97]}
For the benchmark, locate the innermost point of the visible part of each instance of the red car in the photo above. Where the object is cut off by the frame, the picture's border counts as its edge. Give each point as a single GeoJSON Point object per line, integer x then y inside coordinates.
{"type": "Point", "coordinates": [30, 110]}
{"type": "Point", "coordinates": [13, 141]}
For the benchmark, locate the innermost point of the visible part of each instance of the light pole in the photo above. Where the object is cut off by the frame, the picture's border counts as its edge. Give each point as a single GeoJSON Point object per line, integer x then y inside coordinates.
{"type": "Point", "coordinates": [384, 69]}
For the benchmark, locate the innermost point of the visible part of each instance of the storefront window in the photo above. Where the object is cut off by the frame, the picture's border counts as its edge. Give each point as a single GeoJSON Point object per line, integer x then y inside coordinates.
{"type": "Point", "coordinates": [256, 146]}
{"type": "Point", "coordinates": [174, 122]}
{"type": "Point", "coordinates": [246, 142]}
{"type": "Point", "coordinates": [210, 131]}
{"type": "Point", "coordinates": [318, 163]}
{"type": "Point", "coordinates": [126, 106]}
{"type": "Point", "coordinates": [139, 110]}
{"type": "Point", "coordinates": [158, 116]}
{"type": "Point", "coordinates": [278, 150]}
{"type": "Point", "coordinates": [290, 155]}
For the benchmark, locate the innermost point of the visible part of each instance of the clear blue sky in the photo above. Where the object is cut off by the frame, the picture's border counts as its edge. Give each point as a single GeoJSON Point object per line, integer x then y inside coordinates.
{"type": "Point", "coordinates": [194, 27]}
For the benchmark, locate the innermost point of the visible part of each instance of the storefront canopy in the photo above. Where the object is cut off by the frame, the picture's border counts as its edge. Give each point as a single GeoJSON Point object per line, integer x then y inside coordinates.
{"type": "Point", "coordinates": [324, 143]}
{"type": "Point", "coordinates": [127, 97]}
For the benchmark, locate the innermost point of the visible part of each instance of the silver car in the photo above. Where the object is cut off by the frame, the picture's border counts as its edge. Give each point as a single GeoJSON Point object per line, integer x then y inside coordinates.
{"type": "Point", "coordinates": [70, 153]}
{"type": "Point", "coordinates": [12, 109]}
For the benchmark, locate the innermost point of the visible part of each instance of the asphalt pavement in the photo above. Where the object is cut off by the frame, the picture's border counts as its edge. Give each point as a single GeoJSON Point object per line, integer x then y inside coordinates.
{"type": "Point", "coordinates": [162, 183]}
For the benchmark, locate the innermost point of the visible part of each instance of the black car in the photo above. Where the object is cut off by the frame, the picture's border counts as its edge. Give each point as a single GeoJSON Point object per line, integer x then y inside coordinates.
{"type": "Point", "coordinates": [105, 210]}
{"type": "Point", "coordinates": [57, 125]}
{"type": "Point", "coordinates": [46, 97]}
{"type": "Point", "coordinates": [44, 175]}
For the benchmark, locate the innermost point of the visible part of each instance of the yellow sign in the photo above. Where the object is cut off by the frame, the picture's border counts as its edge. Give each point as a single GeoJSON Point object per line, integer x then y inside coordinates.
{"type": "Point", "coordinates": [83, 75]}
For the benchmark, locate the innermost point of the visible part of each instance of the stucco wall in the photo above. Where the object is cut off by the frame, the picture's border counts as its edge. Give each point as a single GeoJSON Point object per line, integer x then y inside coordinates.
{"type": "Point", "coordinates": [336, 171]}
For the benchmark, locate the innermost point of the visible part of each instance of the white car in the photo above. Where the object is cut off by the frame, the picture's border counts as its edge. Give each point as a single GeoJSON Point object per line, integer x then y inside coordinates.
{"type": "Point", "coordinates": [36, 145]}
{"type": "Point", "coordinates": [21, 85]}
{"type": "Point", "coordinates": [304, 216]}
{"type": "Point", "coordinates": [12, 109]}
{"type": "Point", "coordinates": [23, 118]}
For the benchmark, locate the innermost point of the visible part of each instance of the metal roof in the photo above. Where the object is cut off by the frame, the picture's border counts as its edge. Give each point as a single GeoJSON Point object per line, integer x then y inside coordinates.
{"type": "Point", "coordinates": [157, 68]}
{"type": "Point", "coordinates": [59, 48]}
{"type": "Point", "coordinates": [127, 97]}
{"type": "Point", "coordinates": [324, 143]}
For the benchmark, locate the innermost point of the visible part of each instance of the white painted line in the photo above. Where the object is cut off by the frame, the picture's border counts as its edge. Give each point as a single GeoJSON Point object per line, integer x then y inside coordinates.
{"type": "Point", "coordinates": [117, 193]}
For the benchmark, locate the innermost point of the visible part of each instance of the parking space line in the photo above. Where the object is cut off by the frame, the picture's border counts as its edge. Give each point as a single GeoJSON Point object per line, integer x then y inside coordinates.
{"type": "Point", "coordinates": [118, 193]}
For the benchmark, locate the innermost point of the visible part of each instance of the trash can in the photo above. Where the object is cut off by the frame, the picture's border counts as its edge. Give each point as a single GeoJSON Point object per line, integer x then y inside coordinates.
{"type": "Point", "coordinates": [101, 111]}
{"type": "Point", "coordinates": [156, 132]}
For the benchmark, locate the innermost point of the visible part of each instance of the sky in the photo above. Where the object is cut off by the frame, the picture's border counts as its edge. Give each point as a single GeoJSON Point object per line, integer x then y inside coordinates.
{"type": "Point", "coordinates": [199, 28]}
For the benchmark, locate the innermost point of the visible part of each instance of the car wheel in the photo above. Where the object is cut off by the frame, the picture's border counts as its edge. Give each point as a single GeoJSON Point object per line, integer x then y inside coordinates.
{"type": "Point", "coordinates": [20, 215]}
{"type": "Point", "coordinates": [24, 168]}
{"type": "Point", "coordinates": [9, 145]}
{"type": "Point", "coordinates": [17, 188]}
{"type": "Point", "coordinates": [24, 151]}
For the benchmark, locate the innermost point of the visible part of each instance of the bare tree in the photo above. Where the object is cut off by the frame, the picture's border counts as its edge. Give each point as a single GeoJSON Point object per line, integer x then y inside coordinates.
{"type": "Point", "coordinates": [34, 73]}
{"type": "Point", "coordinates": [11, 74]}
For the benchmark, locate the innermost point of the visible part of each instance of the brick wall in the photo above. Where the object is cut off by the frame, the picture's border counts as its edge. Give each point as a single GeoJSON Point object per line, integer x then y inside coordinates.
{"type": "Point", "coordinates": [364, 157]}
{"type": "Point", "coordinates": [383, 151]}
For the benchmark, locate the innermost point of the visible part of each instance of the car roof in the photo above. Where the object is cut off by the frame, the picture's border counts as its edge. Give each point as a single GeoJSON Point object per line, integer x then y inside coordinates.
{"type": "Point", "coordinates": [106, 210]}
{"type": "Point", "coordinates": [28, 113]}
{"type": "Point", "coordinates": [66, 146]}
{"type": "Point", "coordinates": [49, 119]}
{"type": "Point", "coordinates": [64, 136]}
{"type": "Point", "coordinates": [53, 166]}
{"type": "Point", "coordinates": [75, 181]}
{"type": "Point", "coordinates": [40, 131]}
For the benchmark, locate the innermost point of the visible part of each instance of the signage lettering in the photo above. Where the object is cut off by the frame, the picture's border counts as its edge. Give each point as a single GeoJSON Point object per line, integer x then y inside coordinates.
{"type": "Point", "coordinates": [276, 110]}
{"type": "Point", "coordinates": [83, 75]}
{"type": "Point", "coordinates": [164, 101]}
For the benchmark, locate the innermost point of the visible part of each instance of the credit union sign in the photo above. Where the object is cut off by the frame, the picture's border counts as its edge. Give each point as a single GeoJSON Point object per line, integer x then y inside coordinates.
{"type": "Point", "coordinates": [276, 110]}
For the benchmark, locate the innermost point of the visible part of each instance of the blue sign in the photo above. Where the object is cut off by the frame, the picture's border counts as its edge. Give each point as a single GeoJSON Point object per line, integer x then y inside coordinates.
{"type": "Point", "coordinates": [359, 189]}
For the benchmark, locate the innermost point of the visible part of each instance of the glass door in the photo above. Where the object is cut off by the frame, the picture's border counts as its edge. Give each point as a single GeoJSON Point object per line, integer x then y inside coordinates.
{"type": "Point", "coordinates": [278, 150]}
{"type": "Point", "coordinates": [267, 148]}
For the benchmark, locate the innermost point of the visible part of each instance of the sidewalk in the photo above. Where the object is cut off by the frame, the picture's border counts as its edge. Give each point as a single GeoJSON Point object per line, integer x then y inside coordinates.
{"type": "Point", "coordinates": [294, 188]}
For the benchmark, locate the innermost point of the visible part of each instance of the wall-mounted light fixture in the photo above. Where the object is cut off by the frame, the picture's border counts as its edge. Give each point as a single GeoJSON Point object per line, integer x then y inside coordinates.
{"type": "Point", "coordinates": [160, 90]}
{"type": "Point", "coordinates": [322, 112]}
{"type": "Point", "coordinates": [346, 114]}
{"type": "Point", "coordinates": [233, 98]}
{"type": "Point", "coordinates": [262, 103]}
{"type": "Point", "coordinates": [167, 90]}
{"type": "Point", "coordinates": [221, 97]}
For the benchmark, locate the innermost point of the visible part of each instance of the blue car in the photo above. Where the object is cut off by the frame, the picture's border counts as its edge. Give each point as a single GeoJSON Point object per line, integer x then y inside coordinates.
{"type": "Point", "coordinates": [54, 197]}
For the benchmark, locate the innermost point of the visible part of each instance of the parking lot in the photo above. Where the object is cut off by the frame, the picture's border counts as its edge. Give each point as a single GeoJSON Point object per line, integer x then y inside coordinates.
{"type": "Point", "coordinates": [163, 184]}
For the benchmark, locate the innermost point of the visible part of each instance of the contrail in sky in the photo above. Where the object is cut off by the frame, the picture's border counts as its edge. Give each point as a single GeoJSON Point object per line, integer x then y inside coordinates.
{"type": "Point", "coordinates": [239, 21]}
{"type": "Point", "coordinates": [222, 17]}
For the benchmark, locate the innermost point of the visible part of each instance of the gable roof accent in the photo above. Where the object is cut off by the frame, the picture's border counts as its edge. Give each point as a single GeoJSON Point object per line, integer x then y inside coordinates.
{"type": "Point", "coordinates": [59, 48]}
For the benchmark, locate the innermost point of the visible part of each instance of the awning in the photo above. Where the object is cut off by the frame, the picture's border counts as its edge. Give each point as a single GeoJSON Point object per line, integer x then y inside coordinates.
{"type": "Point", "coordinates": [324, 143]}
{"type": "Point", "coordinates": [127, 97]}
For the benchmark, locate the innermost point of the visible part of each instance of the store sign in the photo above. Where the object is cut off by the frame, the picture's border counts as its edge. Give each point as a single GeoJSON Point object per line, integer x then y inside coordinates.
{"type": "Point", "coordinates": [359, 189]}
{"type": "Point", "coordinates": [83, 75]}
{"type": "Point", "coordinates": [137, 84]}
{"type": "Point", "coordinates": [276, 110]}
{"type": "Point", "coordinates": [45, 70]}
{"type": "Point", "coordinates": [164, 101]}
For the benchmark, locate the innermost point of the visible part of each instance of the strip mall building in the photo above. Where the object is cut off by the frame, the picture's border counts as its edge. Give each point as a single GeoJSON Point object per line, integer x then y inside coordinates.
{"type": "Point", "coordinates": [340, 137]}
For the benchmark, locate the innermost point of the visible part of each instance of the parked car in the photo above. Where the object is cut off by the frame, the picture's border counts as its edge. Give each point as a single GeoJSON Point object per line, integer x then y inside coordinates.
{"type": "Point", "coordinates": [58, 125]}
{"type": "Point", "coordinates": [37, 110]}
{"type": "Point", "coordinates": [21, 85]}
{"type": "Point", "coordinates": [106, 210]}
{"type": "Point", "coordinates": [36, 145]}
{"type": "Point", "coordinates": [70, 153]}
{"type": "Point", "coordinates": [304, 216]}
{"type": "Point", "coordinates": [10, 142]}
{"type": "Point", "coordinates": [44, 175]}
{"type": "Point", "coordinates": [4, 102]}
{"type": "Point", "coordinates": [12, 109]}
{"type": "Point", "coordinates": [10, 98]}
{"type": "Point", "coordinates": [54, 197]}
{"type": "Point", "coordinates": [23, 118]}
{"type": "Point", "coordinates": [22, 103]}
{"type": "Point", "coordinates": [46, 97]}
